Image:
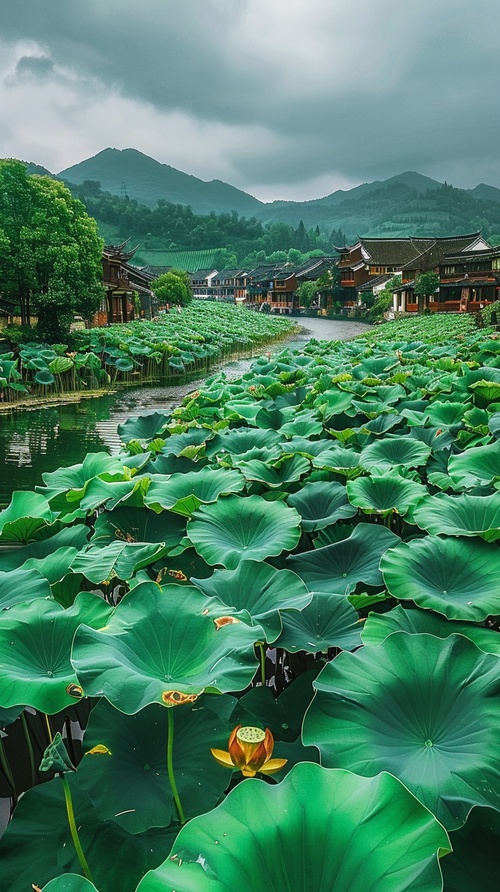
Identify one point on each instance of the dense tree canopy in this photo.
(50, 250)
(173, 288)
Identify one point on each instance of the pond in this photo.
(37, 440)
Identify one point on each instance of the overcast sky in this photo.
(282, 98)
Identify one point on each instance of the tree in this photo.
(306, 293)
(53, 267)
(425, 285)
(173, 288)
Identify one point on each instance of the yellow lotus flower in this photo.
(250, 750)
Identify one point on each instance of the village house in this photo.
(127, 288)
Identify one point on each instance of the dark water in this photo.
(37, 440)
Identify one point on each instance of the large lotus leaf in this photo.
(125, 364)
(392, 452)
(384, 494)
(303, 446)
(237, 442)
(356, 834)
(75, 478)
(27, 515)
(70, 882)
(422, 707)
(304, 424)
(112, 493)
(260, 590)
(120, 560)
(184, 493)
(489, 391)
(341, 566)
(321, 504)
(333, 402)
(462, 515)
(35, 644)
(448, 414)
(71, 539)
(456, 577)
(328, 621)
(474, 862)
(273, 418)
(278, 474)
(379, 625)
(22, 585)
(283, 716)
(44, 377)
(36, 846)
(60, 364)
(480, 464)
(235, 529)
(161, 641)
(138, 525)
(177, 443)
(130, 785)
(337, 458)
(145, 427)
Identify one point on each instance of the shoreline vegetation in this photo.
(171, 350)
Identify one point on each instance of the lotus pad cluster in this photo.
(307, 558)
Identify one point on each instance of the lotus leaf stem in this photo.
(73, 828)
(170, 765)
(262, 653)
(30, 748)
(5, 766)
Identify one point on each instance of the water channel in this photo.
(37, 440)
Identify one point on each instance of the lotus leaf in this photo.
(35, 644)
(321, 504)
(22, 585)
(75, 478)
(143, 428)
(60, 364)
(384, 494)
(27, 515)
(129, 784)
(424, 708)
(477, 465)
(463, 515)
(340, 567)
(238, 442)
(328, 621)
(44, 377)
(235, 529)
(184, 493)
(337, 458)
(70, 882)
(393, 452)
(260, 590)
(277, 474)
(455, 577)
(36, 845)
(138, 525)
(379, 626)
(160, 642)
(120, 560)
(281, 837)
(70, 540)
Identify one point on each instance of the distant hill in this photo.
(128, 172)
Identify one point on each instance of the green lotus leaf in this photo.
(138, 525)
(44, 377)
(303, 446)
(394, 452)
(159, 642)
(272, 418)
(177, 443)
(385, 494)
(480, 464)
(320, 504)
(474, 864)
(112, 493)
(125, 364)
(120, 560)
(129, 784)
(27, 515)
(303, 424)
(38, 553)
(145, 427)
(238, 442)
(282, 837)
(60, 364)
(36, 846)
(489, 391)
(184, 493)
(235, 529)
(259, 589)
(379, 625)
(328, 621)
(22, 585)
(338, 458)
(455, 577)
(70, 882)
(283, 716)
(448, 414)
(56, 756)
(75, 478)
(286, 470)
(333, 402)
(340, 567)
(35, 644)
(462, 515)
(424, 708)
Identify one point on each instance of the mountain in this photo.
(128, 172)
(485, 193)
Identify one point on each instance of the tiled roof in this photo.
(394, 251)
(373, 283)
(435, 253)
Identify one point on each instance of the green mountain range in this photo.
(406, 204)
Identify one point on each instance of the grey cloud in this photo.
(38, 67)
